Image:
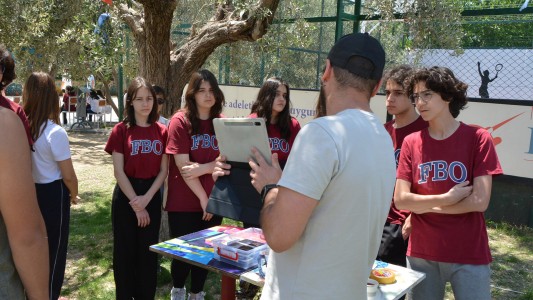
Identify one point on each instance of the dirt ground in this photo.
(88, 147)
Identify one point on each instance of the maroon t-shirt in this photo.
(66, 102)
(4, 102)
(435, 166)
(201, 148)
(278, 144)
(397, 216)
(142, 147)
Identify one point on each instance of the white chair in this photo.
(103, 110)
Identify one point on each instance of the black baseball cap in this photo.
(359, 45)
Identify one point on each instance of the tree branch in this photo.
(132, 17)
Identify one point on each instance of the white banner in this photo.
(239, 102)
(511, 126)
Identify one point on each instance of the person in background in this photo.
(70, 92)
(53, 173)
(23, 244)
(273, 105)
(445, 178)
(137, 146)
(339, 176)
(7, 75)
(93, 104)
(161, 99)
(193, 149)
(406, 120)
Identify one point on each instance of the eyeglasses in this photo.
(424, 96)
(160, 101)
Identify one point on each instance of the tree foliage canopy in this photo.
(167, 40)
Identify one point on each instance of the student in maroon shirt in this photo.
(273, 104)
(137, 146)
(193, 149)
(444, 178)
(406, 120)
(70, 92)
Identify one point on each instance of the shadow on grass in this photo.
(90, 246)
(88, 148)
(512, 251)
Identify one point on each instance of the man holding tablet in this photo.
(323, 216)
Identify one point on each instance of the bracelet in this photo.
(266, 189)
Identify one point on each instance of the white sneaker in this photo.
(178, 294)
(199, 296)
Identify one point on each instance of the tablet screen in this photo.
(237, 136)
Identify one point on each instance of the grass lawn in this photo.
(89, 272)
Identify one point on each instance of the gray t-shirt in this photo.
(346, 162)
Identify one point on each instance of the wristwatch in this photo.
(266, 189)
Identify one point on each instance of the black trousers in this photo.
(54, 202)
(393, 247)
(134, 265)
(64, 116)
(182, 223)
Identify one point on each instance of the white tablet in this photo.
(237, 136)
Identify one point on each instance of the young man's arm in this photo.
(285, 212)
(405, 199)
(478, 201)
(284, 216)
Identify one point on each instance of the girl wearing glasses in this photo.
(444, 178)
(193, 149)
(161, 99)
(137, 146)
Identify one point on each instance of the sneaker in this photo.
(199, 296)
(178, 294)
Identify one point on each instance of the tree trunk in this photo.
(107, 94)
(151, 31)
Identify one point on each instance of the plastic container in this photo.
(240, 249)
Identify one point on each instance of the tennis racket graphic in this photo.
(498, 68)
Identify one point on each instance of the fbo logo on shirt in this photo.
(279, 144)
(146, 146)
(442, 171)
(204, 141)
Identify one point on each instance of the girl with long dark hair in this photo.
(53, 173)
(193, 149)
(137, 146)
(273, 105)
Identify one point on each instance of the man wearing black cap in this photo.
(323, 216)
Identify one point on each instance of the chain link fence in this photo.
(296, 51)
(489, 73)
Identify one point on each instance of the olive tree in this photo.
(170, 65)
